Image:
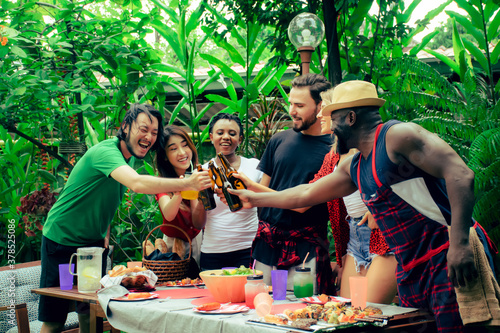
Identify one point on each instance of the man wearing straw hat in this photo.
(417, 188)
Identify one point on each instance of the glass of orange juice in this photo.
(189, 194)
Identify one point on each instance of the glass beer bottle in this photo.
(233, 201)
(207, 195)
(214, 175)
(230, 170)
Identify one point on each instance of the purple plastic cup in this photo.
(279, 279)
(65, 277)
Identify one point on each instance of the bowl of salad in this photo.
(227, 285)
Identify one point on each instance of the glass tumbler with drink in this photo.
(189, 194)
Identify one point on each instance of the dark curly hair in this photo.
(228, 116)
(163, 165)
(131, 116)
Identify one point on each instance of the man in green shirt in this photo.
(82, 215)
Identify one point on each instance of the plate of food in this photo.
(323, 299)
(190, 285)
(331, 314)
(187, 282)
(217, 308)
(132, 297)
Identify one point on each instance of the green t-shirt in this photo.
(88, 202)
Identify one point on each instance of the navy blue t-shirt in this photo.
(290, 159)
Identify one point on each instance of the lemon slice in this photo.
(90, 272)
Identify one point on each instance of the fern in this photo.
(486, 212)
(485, 162)
(486, 178)
(485, 149)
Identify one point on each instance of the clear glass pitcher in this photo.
(89, 268)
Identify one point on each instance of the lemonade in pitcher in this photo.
(89, 279)
(88, 266)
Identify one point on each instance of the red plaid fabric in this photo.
(428, 284)
(413, 237)
(420, 245)
(285, 241)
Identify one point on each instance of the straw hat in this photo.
(351, 94)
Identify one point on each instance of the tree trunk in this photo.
(332, 42)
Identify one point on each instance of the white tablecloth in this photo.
(177, 316)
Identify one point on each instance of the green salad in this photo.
(242, 270)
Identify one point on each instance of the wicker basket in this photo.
(167, 270)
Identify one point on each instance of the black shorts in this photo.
(228, 259)
(53, 309)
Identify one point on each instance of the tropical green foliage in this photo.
(465, 114)
(270, 118)
(178, 28)
(485, 162)
(246, 33)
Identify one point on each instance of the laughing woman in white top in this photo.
(228, 236)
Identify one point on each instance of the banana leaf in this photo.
(493, 28)
(453, 65)
(170, 11)
(194, 19)
(224, 67)
(475, 15)
(477, 54)
(478, 34)
(227, 102)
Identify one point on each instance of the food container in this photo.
(255, 285)
(303, 282)
(225, 288)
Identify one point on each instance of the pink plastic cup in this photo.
(359, 289)
(263, 303)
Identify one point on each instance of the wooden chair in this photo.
(19, 312)
(19, 307)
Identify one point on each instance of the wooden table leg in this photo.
(95, 321)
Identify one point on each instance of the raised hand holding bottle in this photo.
(207, 195)
(230, 171)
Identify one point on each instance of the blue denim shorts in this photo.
(359, 243)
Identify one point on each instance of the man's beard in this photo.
(342, 138)
(342, 147)
(306, 124)
(130, 148)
